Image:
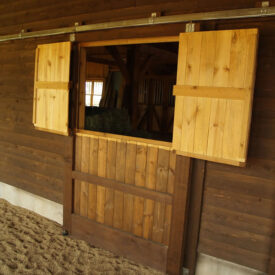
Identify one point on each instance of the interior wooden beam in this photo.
(101, 61)
(158, 52)
(134, 65)
(150, 106)
(157, 117)
(143, 118)
(164, 47)
(165, 105)
(145, 66)
(119, 61)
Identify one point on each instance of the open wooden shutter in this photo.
(214, 93)
(51, 88)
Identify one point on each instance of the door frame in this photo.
(183, 171)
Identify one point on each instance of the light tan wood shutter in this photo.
(51, 88)
(214, 92)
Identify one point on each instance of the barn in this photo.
(145, 128)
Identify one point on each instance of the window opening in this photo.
(129, 89)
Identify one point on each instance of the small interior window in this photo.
(93, 92)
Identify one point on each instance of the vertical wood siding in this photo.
(238, 214)
(134, 163)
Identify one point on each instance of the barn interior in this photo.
(129, 89)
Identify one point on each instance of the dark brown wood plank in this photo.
(179, 215)
(271, 267)
(238, 220)
(121, 243)
(194, 214)
(68, 197)
(77, 183)
(238, 238)
(34, 183)
(228, 181)
(238, 202)
(234, 254)
(68, 193)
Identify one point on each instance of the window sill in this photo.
(150, 142)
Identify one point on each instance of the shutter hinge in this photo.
(72, 37)
(192, 27)
(265, 4)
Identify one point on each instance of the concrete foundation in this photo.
(207, 265)
(39, 205)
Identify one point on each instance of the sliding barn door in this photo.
(123, 197)
(51, 88)
(214, 92)
(123, 189)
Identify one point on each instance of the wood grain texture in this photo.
(271, 267)
(85, 161)
(129, 185)
(120, 176)
(68, 193)
(51, 87)
(151, 169)
(119, 186)
(161, 185)
(129, 179)
(101, 191)
(111, 174)
(81, 94)
(194, 215)
(179, 215)
(122, 243)
(93, 169)
(214, 92)
(140, 176)
(77, 184)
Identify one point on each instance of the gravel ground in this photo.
(31, 244)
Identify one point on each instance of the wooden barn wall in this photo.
(238, 203)
(32, 160)
(238, 213)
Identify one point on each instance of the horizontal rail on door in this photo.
(127, 188)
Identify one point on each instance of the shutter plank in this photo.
(214, 94)
(51, 88)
